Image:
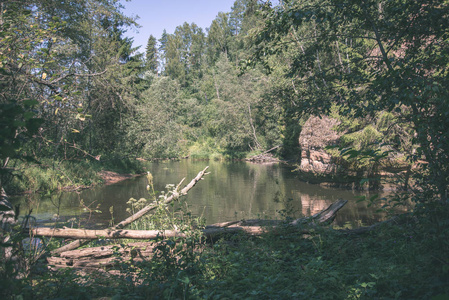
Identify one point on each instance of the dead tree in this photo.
(106, 257)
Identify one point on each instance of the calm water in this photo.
(232, 191)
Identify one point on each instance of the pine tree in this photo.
(151, 55)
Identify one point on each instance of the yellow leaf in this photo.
(44, 75)
(75, 131)
(56, 111)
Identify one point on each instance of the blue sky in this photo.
(155, 16)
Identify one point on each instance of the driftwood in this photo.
(264, 156)
(108, 257)
(78, 243)
(92, 234)
(253, 227)
(104, 257)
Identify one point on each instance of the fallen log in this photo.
(91, 234)
(104, 257)
(253, 227)
(108, 257)
(79, 242)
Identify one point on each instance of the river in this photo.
(232, 191)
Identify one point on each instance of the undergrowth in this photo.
(392, 262)
(51, 175)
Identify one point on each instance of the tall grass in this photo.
(51, 175)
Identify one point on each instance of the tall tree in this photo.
(151, 55)
(52, 65)
(219, 37)
(184, 53)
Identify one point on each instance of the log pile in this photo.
(264, 157)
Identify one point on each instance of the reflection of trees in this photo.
(311, 206)
(233, 190)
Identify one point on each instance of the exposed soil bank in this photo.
(110, 177)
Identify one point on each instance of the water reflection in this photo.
(232, 191)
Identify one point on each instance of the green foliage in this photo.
(349, 53)
(151, 56)
(399, 260)
(60, 94)
(153, 128)
(50, 175)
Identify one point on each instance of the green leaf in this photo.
(28, 115)
(7, 151)
(4, 207)
(30, 103)
(360, 199)
(364, 180)
(34, 124)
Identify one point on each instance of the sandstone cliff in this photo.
(316, 134)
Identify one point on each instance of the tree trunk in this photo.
(7, 220)
(253, 227)
(107, 257)
(104, 257)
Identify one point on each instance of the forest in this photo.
(76, 98)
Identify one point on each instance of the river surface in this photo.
(232, 191)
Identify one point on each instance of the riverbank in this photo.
(49, 175)
(109, 177)
(398, 260)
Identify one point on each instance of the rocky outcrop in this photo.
(316, 134)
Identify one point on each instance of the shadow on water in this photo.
(233, 191)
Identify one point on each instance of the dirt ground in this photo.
(110, 177)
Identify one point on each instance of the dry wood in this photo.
(139, 214)
(325, 216)
(90, 234)
(262, 156)
(257, 227)
(86, 234)
(175, 195)
(102, 257)
(253, 227)
(106, 257)
(7, 221)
